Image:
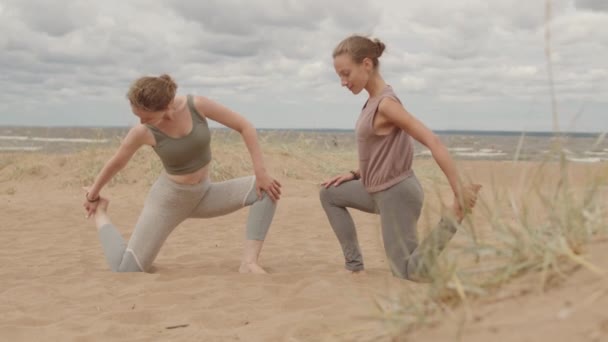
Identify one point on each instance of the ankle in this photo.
(101, 219)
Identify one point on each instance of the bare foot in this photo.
(103, 204)
(101, 213)
(251, 268)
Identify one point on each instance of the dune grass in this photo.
(540, 227)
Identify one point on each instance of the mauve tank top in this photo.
(384, 160)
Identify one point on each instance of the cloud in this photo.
(594, 5)
(271, 59)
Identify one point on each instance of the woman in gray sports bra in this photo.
(176, 128)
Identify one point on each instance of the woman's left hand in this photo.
(272, 187)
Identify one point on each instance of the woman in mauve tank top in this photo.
(385, 183)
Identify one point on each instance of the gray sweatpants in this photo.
(399, 207)
(169, 203)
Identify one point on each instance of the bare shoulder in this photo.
(200, 100)
(209, 108)
(180, 101)
(138, 130)
(217, 112)
(139, 135)
(389, 105)
(392, 112)
(201, 104)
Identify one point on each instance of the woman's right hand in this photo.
(337, 180)
(272, 187)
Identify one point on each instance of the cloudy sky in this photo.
(467, 64)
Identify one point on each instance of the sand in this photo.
(56, 286)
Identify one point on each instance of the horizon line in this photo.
(494, 131)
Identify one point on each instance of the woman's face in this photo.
(352, 75)
(145, 116)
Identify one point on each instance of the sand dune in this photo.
(55, 285)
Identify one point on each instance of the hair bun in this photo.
(166, 77)
(171, 85)
(380, 45)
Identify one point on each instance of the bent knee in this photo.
(326, 194)
(129, 264)
(253, 197)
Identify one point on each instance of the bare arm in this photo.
(134, 139)
(233, 120)
(393, 113)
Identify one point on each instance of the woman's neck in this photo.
(172, 109)
(375, 85)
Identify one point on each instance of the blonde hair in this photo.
(152, 93)
(359, 48)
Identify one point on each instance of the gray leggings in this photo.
(399, 207)
(169, 203)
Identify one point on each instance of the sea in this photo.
(472, 145)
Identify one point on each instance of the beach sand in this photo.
(56, 286)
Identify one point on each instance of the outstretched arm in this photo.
(130, 144)
(392, 112)
(233, 120)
